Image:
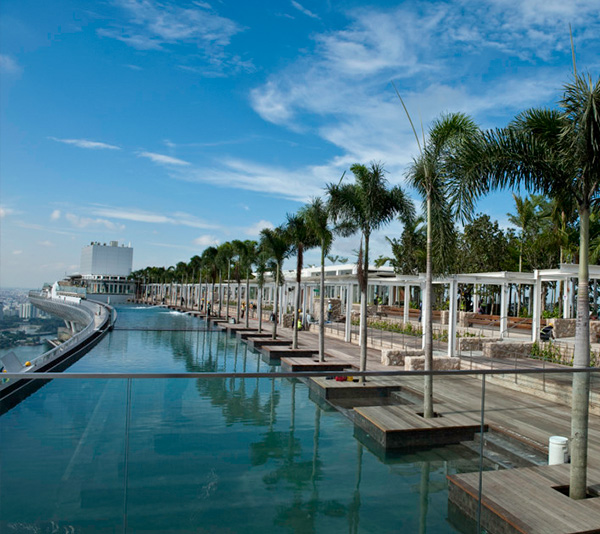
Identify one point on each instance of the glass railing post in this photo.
(126, 467)
(481, 440)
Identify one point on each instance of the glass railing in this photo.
(290, 452)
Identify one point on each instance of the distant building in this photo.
(106, 260)
(104, 270)
(26, 311)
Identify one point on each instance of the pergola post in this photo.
(422, 299)
(537, 307)
(453, 289)
(406, 315)
(304, 305)
(503, 310)
(565, 297)
(348, 328)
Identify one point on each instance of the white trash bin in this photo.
(558, 450)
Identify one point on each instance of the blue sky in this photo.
(177, 125)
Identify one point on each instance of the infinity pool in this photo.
(202, 455)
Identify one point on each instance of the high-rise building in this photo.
(104, 270)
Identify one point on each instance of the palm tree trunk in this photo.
(581, 360)
(239, 301)
(247, 322)
(275, 304)
(227, 295)
(297, 298)
(363, 309)
(322, 307)
(427, 321)
(260, 299)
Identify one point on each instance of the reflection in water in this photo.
(205, 455)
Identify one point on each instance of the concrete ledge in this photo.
(440, 363)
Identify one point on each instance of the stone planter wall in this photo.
(397, 357)
(501, 349)
(594, 331)
(473, 343)
(336, 309)
(464, 317)
(440, 363)
(563, 327)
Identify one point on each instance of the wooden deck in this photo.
(525, 500)
(277, 352)
(401, 426)
(259, 342)
(290, 364)
(252, 333)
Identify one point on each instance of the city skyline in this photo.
(178, 125)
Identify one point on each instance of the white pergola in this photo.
(341, 282)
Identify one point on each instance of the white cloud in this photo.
(87, 222)
(299, 184)
(255, 229)
(5, 212)
(17, 252)
(85, 143)
(46, 243)
(302, 9)
(206, 241)
(153, 25)
(162, 159)
(8, 65)
(137, 215)
(55, 215)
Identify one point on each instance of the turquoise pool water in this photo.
(202, 455)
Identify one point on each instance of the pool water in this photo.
(206, 455)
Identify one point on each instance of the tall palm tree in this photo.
(262, 258)
(556, 153)
(247, 259)
(274, 241)
(226, 254)
(209, 261)
(301, 238)
(428, 174)
(316, 215)
(366, 206)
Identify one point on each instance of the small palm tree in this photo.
(262, 259)
(301, 238)
(366, 206)
(209, 261)
(428, 174)
(316, 215)
(247, 260)
(226, 253)
(275, 243)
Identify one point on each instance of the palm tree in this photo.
(239, 251)
(428, 174)
(556, 153)
(274, 241)
(316, 215)
(262, 258)
(209, 261)
(366, 206)
(301, 239)
(247, 259)
(226, 253)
